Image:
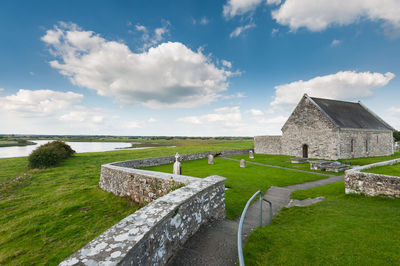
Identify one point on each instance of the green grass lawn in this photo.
(386, 170)
(342, 230)
(47, 215)
(369, 160)
(281, 160)
(242, 182)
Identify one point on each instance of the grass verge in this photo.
(342, 230)
(393, 170)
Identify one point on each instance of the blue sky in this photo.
(197, 68)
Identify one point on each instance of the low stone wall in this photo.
(372, 184)
(151, 235)
(139, 185)
(148, 162)
(268, 144)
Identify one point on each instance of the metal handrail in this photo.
(239, 236)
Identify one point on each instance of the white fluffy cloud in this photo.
(336, 43)
(318, 15)
(82, 116)
(255, 112)
(39, 102)
(169, 74)
(226, 63)
(201, 21)
(239, 7)
(239, 30)
(342, 85)
(227, 116)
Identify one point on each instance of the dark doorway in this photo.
(305, 151)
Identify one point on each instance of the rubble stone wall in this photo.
(152, 234)
(177, 206)
(372, 184)
(148, 162)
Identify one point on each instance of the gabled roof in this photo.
(350, 115)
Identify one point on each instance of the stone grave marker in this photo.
(210, 159)
(243, 163)
(177, 165)
(251, 154)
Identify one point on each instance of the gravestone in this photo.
(177, 165)
(242, 163)
(251, 154)
(210, 159)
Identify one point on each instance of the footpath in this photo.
(215, 243)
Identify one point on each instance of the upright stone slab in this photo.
(210, 159)
(177, 165)
(243, 163)
(251, 154)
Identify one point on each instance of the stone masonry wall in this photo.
(152, 234)
(380, 143)
(141, 163)
(139, 185)
(268, 144)
(309, 125)
(372, 184)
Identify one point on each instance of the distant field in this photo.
(47, 215)
(342, 230)
(11, 142)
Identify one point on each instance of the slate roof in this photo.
(351, 115)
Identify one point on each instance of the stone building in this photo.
(330, 129)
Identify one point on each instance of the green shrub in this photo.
(396, 135)
(49, 154)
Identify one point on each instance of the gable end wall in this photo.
(309, 125)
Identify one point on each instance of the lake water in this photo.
(17, 151)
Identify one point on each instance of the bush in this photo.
(396, 135)
(50, 154)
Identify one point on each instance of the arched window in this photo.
(352, 145)
(305, 151)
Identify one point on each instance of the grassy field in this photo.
(281, 160)
(49, 214)
(342, 230)
(386, 170)
(15, 142)
(369, 160)
(242, 182)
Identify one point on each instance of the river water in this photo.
(20, 151)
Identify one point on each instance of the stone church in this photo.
(330, 129)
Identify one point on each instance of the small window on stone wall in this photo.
(352, 145)
(366, 145)
(377, 140)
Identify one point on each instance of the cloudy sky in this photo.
(194, 68)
